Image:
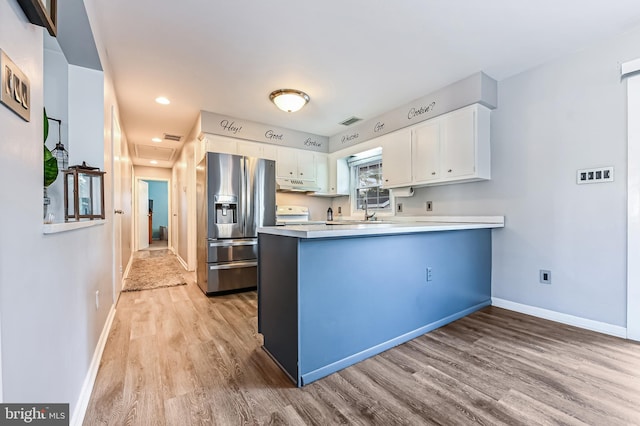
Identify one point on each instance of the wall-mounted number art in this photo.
(42, 14)
(15, 92)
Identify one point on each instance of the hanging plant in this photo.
(50, 162)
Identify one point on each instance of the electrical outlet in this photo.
(429, 273)
(399, 208)
(429, 206)
(97, 299)
(545, 276)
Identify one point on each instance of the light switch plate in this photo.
(597, 175)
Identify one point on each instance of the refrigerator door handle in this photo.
(231, 243)
(234, 265)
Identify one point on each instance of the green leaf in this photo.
(50, 167)
(46, 125)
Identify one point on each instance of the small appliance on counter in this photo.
(294, 215)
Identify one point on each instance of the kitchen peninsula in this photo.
(332, 295)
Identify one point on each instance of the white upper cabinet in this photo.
(332, 175)
(454, 147)
(459, 144)
(396, 155)
(295, 163)
(255, 149)
(223, 144)
(322, 174)
(306, 164)
(425, 150)
(287, 163)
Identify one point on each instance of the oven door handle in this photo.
(234, 265)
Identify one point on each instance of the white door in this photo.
(143, 215)
(116, 181)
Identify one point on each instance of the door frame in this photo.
(116, 202)
(135, 217)
(630, 73)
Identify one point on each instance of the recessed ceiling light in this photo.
(153, 162)
(156, 140)
(162, 100)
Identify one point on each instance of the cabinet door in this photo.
(221, 144)
(250, 149)
(306, 164)
(322, 173)
(396, 152)
(425, 151)
(286, 163)
(458, 144)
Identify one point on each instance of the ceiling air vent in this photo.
(174, 138)
(350, 121)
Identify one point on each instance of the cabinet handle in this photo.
(386, 180)
(301, 173)
(450, 170)
(433, 173)
(290, 173)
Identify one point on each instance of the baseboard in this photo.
(181, 260)
(87, 387)
(600, 327)
(127, 269)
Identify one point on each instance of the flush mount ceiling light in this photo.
(153, 162)
(162, 100)
(156, 140)
(289, 100)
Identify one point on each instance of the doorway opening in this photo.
(158, 214)
(153, 205)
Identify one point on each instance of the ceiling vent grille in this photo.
(174, 138)
(350, 121)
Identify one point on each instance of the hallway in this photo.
(176, 357)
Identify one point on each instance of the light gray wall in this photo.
(50, 325)
(566, 115)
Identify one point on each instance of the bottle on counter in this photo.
(329, 214)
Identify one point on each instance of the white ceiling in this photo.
(357, 57)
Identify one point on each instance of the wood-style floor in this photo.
(176, 357)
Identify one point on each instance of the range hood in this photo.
(296, 185)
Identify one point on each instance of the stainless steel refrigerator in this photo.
(235, 195)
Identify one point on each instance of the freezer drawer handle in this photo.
(233, 265)
(233, 243)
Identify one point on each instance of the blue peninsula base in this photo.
(327, 303)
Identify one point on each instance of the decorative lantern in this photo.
(61, 154)
(83, 193)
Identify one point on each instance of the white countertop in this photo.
(422, 224)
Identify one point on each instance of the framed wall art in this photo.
(43, 13)
(15, 90)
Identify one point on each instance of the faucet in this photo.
(367, 216)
